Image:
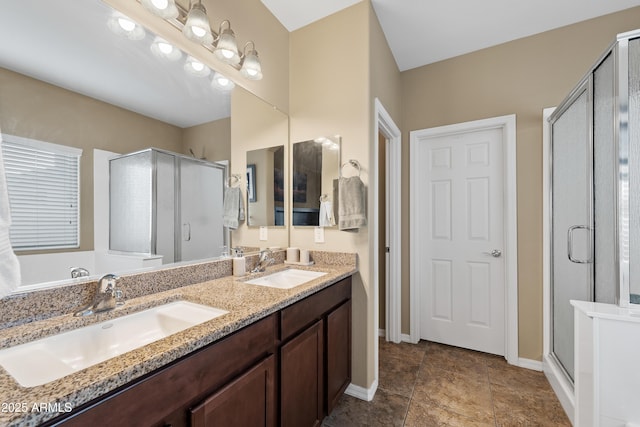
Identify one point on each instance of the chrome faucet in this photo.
(263, 261)
(106, 297)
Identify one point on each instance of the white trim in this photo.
(384, 124)
(508, 125)
(534, 365)
(43, 145)
(361, 392)
(408, 338)
(560, 385)
(546, 233)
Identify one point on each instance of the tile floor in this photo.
(429, 384)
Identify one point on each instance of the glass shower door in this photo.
(572, 254)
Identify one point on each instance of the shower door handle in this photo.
(186, 232)
(570, 231)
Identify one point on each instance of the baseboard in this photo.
(408, 338)
(534, 365)
(361, 392)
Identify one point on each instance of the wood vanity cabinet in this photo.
(287, 369)
(222, 371)
(315, 355)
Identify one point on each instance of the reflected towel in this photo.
(233, 209)
(9, 266)
(326, 214)
(352, 203)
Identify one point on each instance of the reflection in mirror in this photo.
(265, 186)
(316, 169)
(105, 93)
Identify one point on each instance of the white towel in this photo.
(326, 214)
(9, 266)
(233, 209)
(352, 203)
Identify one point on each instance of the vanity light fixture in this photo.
(221, 82)
(197, 27)
(165, 9)
(226, 47)
(196, 68)
(251, 68)
(124, 26)
(163, 49)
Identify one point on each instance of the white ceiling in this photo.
(421, 32)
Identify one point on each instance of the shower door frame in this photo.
(585, 85)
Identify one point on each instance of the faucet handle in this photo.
(78, 272)
(107, 283)
(119, 294)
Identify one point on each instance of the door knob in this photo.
(496, 253)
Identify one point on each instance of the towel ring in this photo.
(354, 163)
(324, 198)
(234, 179)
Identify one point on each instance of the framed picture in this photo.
(251, 183)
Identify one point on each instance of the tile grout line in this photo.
(413, 388)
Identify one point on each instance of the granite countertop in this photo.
(245, 303)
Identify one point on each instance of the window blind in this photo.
(44, 193)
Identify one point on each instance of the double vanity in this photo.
(272, 348)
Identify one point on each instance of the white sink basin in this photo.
(39, 362)
(286, 279)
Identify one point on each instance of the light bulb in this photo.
(198, 31)
(165, 9)
(126, 24)
(160, 4)
(221, 82)
(196, 68)
(126, 27)
(165, 48)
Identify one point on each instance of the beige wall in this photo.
(211, 141)
(329, 95)
(33, 109)
(255, 125)
(521, 77)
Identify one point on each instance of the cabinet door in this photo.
(338, 353)
(301, 379)
(247, 401)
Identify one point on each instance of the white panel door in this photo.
(462, 282)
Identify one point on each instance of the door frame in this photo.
(383, 123)
(508, 126)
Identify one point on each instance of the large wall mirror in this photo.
(265, 187)
(316, 169)
(70, 80)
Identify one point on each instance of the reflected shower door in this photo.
(572, 253)
(201, 197)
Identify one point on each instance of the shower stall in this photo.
(594, 219)
(167, 204)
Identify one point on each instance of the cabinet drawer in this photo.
(158, 396)
(303, 313)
